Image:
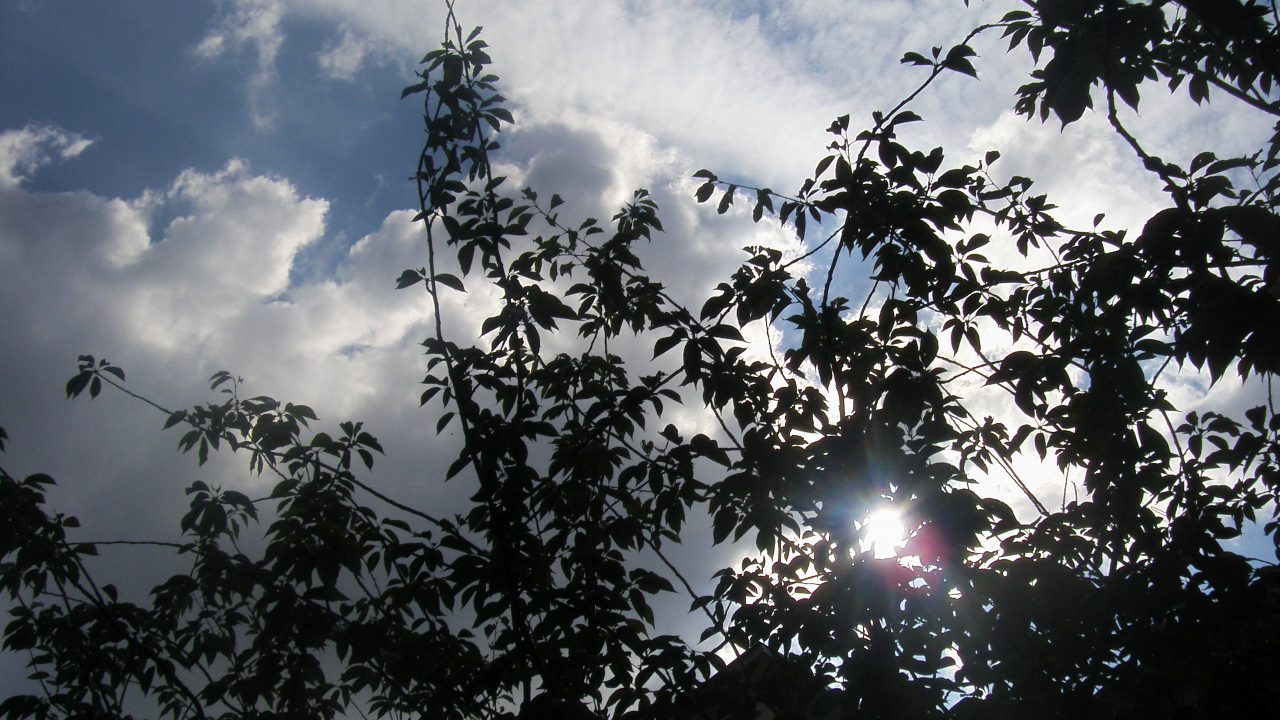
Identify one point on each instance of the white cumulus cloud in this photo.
(24, 151)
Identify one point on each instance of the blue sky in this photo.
(193, 186)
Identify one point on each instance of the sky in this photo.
(187, 187)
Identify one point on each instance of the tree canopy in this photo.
(538, 600)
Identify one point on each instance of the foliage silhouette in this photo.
(537, 601)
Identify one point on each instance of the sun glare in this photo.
(883, 533)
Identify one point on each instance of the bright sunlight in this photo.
(883, 533)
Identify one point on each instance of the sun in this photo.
(883, 533)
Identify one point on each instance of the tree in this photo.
(537, 601)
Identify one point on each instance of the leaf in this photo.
(1202, 160)
(704, 192)
(1198, 88)
(727, 332)
(764, 201)
(723, 524)
(238, 499)
(408, 278)
(957, 178)
(78, 383)
(300, 411)
(413, 89)
(503, 114)
(370, 442)
(457, 466)
(219, 378)
(1070, 97)
(1221, 166)
(664, 344)
(450, 281)
(958, 60)
(726, 200)
(906, 116)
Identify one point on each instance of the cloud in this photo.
(254, 24)
(746, 87)
(24, 151)
(341, 60)
(81, 273)
(247, 22)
